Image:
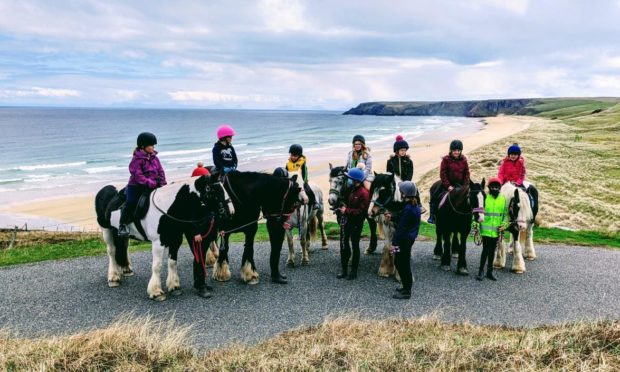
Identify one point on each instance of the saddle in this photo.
(119, 200)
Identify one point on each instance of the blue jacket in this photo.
(408, 225)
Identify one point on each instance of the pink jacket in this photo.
(512, 171)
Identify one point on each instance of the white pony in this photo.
(521, 230)
(306, 218)
(173, 211)
(385, 195)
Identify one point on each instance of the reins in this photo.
(169, 216)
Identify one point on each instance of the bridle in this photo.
(388, 200)
(204, 198)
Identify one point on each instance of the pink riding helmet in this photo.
(225, 131)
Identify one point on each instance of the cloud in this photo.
(39, 92)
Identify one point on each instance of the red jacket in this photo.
(357, 203)
(200, 171)
(454, 171)
(512, 171)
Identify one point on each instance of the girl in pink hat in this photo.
(224, 155)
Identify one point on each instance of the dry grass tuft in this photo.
(573, 162)
(340, 344)
(33, 238)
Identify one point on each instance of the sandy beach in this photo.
(78, 211)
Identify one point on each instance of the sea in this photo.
(54, 152)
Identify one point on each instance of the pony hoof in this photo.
(290, 264)
(530, 258)
(455, 255)
(498, 267)
(254, 281)
(159, 298)
(324, 246)
(436, 257)
(128, 272)
(368, 251)
(113, 284)
(204, 293)
(176, 292)
(305, 262)
(445, 267)
(518, 271)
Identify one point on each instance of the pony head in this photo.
(476, 199)
(519, 208)
(213, 195)
(383, 191)
(337, 184)
(299, 181)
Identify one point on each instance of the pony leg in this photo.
(529, 253)
(500, 255)
(462, 244)
(386, 268)
(154, 288)
(212, 254)
(114, 270)
(438, 251)
(322, 230)
(290, 262)
(221, 271)
(305, 248)
(173, 282)
(372, 246)
(446, 256)
(128, 270)
(518, 263)
(248, 268)
(455, 247)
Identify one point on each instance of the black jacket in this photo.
(402, 167)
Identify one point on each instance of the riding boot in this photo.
(432, 213)
(353, 274)
(480, 274)
(279, 279)
(127, 214)
(402, 295)
(490, 274)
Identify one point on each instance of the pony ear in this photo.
(482, 184)
(517, 195)
(331, 166)
(471, 184)
(375, 173)
(294, 178)
(201, 183)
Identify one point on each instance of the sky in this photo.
(295, 54)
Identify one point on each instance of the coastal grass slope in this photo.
(144, 344)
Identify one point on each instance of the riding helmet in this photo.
(146, 139)
(225, 131)
(493, 180)
(296, 150)
(408, 189)
(356, 174)
(456, 145)
(280, 172)
(514, 149)
(359, 137)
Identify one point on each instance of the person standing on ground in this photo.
(407, 228)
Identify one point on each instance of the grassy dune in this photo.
(340, 344)
(573, 158)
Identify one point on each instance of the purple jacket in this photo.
(146, 170)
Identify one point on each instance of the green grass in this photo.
(96, 247)
(568, 109)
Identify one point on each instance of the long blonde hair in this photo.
(364, 151)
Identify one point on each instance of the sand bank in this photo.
(79, 211)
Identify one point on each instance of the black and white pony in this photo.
(253, 193)
(522, 217)
(307, 219)
(337, 188)
(453, 221)
(385, 198)
(173, 211)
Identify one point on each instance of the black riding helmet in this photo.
(359, 137)
(146, 139)
(296, 150)
(456, 145)
(280, 172)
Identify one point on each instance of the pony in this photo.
(337, 188)
(454, 218)
(172, 211)
(306, 218)
(251, 193)
(522, 216)
(385, 198)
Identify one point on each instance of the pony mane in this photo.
(336, 171)
(525, 209)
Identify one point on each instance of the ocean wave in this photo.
(11, 180)
(49, 166)
(95, 170)
(182, 152)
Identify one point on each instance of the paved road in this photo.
(565, 283)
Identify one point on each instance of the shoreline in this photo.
(78, 211)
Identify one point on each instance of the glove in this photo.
(286, 225)
(228, 169)
(394, 249)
